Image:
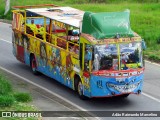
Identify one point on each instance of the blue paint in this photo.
(100, 88)
(27, 57)
(54, 72)
(98, 84)
(39, 21)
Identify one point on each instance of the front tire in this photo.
(79, 88)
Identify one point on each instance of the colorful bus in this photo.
(95, 54)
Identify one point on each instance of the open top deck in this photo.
(67, 15)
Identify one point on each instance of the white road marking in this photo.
(151, 97)
(25, 79)
(5, 41)
(152, 63)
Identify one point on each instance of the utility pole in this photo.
(7, 6)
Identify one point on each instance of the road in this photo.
(149, 100)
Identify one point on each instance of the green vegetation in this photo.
(22, 97)
(13, 101)
(6, 98)
(145, 16)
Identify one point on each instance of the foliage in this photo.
(154, 58)
(13, 101)
(6, 100)
(22, 97)
(5, 86)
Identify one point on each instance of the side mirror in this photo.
(144, 45)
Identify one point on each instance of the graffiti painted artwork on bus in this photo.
(79, 50)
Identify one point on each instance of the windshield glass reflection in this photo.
(131, 55)
(105, 56)
(108, 57)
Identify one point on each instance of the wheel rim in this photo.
(80, 88)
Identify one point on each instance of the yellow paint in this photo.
(63, 57)
(119, 60)
(59, 24)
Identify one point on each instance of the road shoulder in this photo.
(45, 101)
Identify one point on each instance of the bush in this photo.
(158, 40)
(154, 58)
(22, 97)
(6, 100)
(5, 86)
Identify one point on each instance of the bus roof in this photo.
(67, 15)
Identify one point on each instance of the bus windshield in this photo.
(131, 55)
(121, 56)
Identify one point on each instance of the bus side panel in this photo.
(59, 65)
(14, 44)
(26, 41)
(20, 53)
(86, 84)
(18, 46)
(52, 61)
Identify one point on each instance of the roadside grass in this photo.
(145, 16)
(11, 100)
(22, 97)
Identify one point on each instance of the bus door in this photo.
(88, 50)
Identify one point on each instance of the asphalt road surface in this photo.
(149, 100)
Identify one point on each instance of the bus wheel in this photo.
(33, 65)
(80, 90)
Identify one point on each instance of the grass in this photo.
(5, 86)
(22, 97)
(11, 100)
(145, 16)
(6, 98)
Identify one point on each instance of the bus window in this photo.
(74, 48)
(87, 57)
(105, 57)
(73, 34)
(58, 28)
(40, 32)
(62, 43)
(18, 21)
(131, 55)
(35, 26)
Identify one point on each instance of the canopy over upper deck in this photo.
(67, 15)
(107, 24)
